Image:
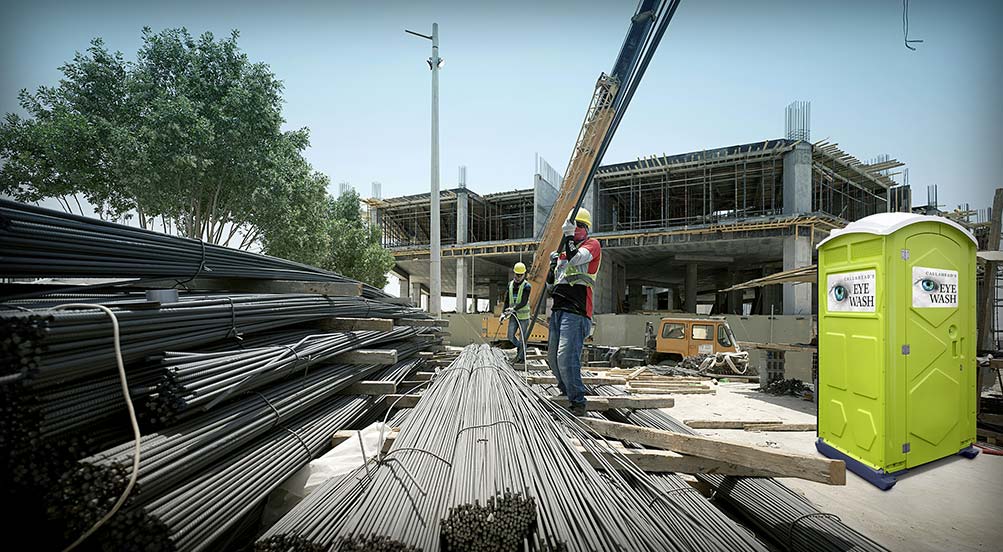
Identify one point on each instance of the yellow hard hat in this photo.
(520, 268)
(584, 216)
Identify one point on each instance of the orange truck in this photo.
(677, 338)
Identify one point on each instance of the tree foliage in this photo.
(188, 135)
(346, 243)
(186, 139)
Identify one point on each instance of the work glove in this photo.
(569, 228)
(508, 312)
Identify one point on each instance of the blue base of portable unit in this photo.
(879, 478)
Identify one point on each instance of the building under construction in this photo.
(675, 229)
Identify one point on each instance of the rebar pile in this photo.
(485, 463)
(52, 347)
(43, 242)
(778, 512)
(698, 524)
(198, 481)
(200, 379)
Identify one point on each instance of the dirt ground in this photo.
(952, 504)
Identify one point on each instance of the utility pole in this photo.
(435, 253)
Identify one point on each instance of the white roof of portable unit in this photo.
(883, 224)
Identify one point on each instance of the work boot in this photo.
(578, 409)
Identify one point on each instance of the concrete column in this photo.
(405, 286)
(461, 285)
(494, 291)
(651, 298)
(607, 294)
(474, 304)
(690, 287)
(735, 301)
(676, 299)
(635, 297)
(797, 180)
(462, 206)
(416, 293)
(797, 253)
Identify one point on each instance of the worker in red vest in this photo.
(573, 275)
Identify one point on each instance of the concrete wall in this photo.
(544, 196)
(464, 329)
(628, 330)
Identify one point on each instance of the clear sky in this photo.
(519, 75)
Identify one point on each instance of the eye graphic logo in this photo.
(928, 285)
(852, 291)
(934, 287)
(839, 292)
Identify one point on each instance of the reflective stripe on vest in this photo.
(522, 313)
(575, 276)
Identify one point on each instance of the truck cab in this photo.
(677, 338)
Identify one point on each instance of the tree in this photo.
(346, 243)
(189, 133)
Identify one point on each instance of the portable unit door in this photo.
(853, 347)
(937, 285)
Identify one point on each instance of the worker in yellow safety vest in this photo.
(516, 309)
(572, 275)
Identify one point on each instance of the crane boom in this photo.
(610, 97)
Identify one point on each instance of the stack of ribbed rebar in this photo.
(785, 516)
(484, 462)
(249, 383)
(198, 379)
(196, 480)
(44, 243)
(52, 347)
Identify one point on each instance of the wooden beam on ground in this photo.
(422, 376)
(401, 401)
(614, 403)
(664, 461)
(735, 377)
(669, 384)
(355, 324)
(367, 356)
(636, 373)
(370, 388)
(782, 427)
(666, 390)
(422, 322)
(343, 435)
(811, 468)
(248, 285)
(406, 301)
(790, 347)
(588, 380)
(728, 424)
(427, 355)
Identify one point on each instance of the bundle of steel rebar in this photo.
(772, 508)
(200, 480)
(698, 522)
(485, 463)
(200, 379)
(43, 242)
(51, 347)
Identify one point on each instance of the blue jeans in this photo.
(564, 352)
(515, 336)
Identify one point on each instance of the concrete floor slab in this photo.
(953, 504)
